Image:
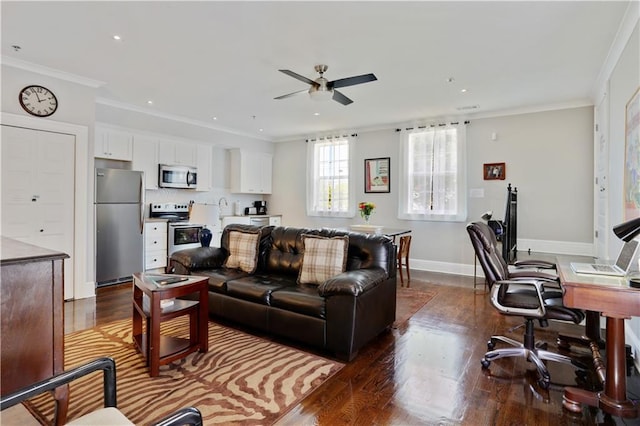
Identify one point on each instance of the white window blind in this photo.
(329, 182)
(434, 174)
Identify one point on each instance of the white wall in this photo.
(548, 156)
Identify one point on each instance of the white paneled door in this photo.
(38, 191)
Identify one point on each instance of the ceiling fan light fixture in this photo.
(320, 94)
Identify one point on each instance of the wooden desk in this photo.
(616, 301)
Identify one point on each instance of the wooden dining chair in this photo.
(403, 257)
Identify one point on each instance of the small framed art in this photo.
(494, 171)
(376, 174)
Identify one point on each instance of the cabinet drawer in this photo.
(155, 228)
(155, 259)
(155, 241)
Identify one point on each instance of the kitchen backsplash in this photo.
(211, 197)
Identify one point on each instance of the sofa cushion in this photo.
(255, 288)
(323, 258)
(302, 298)
(218, 278)
(243, 250)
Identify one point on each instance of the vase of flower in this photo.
(366, 209)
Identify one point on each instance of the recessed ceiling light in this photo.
(316, 113)
(463, 90)
(215, 118)
(261, 130)
(117, 37)
(150, 102)
(450, 80)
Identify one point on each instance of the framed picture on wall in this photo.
(376, 174)
(632, 157)
(494, 171)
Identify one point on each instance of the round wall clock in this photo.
(38, 101)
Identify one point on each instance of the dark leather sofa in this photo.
(339, 315)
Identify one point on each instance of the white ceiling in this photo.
(197, 60)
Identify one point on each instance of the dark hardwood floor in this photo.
(425, 372)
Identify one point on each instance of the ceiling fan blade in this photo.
(351, 81)
(291, 94)
(339, 97)
(299, 77)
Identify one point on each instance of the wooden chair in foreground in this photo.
(109, 415)
(403, 257)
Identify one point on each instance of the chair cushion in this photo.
(109, 416)
(243, 250)
(323, 258)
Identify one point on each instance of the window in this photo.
(329, 184)
(434, 174)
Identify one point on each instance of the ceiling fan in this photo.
(321, 88)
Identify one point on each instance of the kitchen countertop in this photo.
(154, 219)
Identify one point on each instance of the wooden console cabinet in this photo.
(32, 318)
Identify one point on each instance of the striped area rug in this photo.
(242, 379)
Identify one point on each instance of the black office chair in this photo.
(109, 415)
(522, 297)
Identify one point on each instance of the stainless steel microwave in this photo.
(173, 176)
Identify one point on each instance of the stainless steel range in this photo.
(182, 234)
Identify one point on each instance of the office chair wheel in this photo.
(491, 344)
(485, 363)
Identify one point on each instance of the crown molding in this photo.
(50, 72)
(462, 117)
(176, 118)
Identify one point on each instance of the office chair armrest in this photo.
(106, 364)
(498, 292)
(529, 274)
(534, 263)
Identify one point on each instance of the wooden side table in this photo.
(160, 350)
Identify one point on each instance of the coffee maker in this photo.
(261, 207)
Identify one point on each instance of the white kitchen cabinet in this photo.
(242, 220)
(204, 157)
(113, 144)
(250, 172)
(275, 220)
(155, 245)
(145, 159)
(174, 152)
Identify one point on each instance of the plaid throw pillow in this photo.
(243, 251)
(323, 258)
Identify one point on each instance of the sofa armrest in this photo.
(353, 282)
(186, 261)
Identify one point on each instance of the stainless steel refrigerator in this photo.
(119, 207)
